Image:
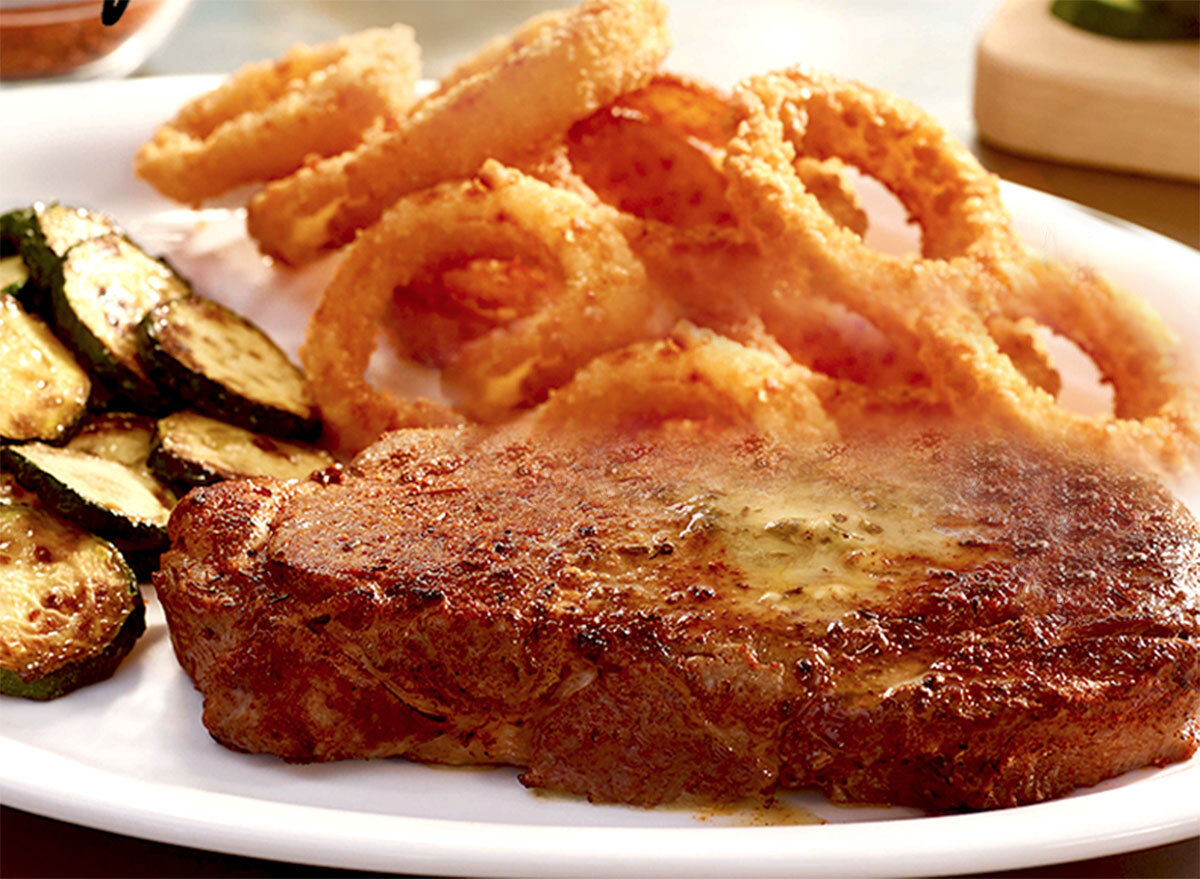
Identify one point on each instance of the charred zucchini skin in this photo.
(181, 474)
(165, 364)
(127, 532)
(126, 438)
(8, 238)
(87, 671)
(12, 231)
(242, 453)
(118, 371)
(97, 666)
(43, 233)
(43, 391)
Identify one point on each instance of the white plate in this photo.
(130, 755)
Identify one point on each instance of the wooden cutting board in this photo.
(1045, 88)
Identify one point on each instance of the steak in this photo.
(937, 621)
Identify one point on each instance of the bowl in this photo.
(44, 40)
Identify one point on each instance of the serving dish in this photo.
(131, 756)
(66, 41)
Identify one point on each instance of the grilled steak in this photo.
(938, 622)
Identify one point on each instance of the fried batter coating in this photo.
(571, 65)
(972, 268)
(693, 374)
(268, 118)
(499, 214)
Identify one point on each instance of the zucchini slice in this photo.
(118, 436)
(43, 391)
(13, 275)
(125, 438)
(191, 450)
(109, 499)
(226, 367)
(70, 609)
(43, 235)
(106, 287)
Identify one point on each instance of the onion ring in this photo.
(568, 68)
(693, 374)
(501, 213)
(498, 48)
(553, 165)
(826, 180)
(656, 153)
(445, 307)
(655, 156)
(855, 403)
(973, 268)
(266, 119)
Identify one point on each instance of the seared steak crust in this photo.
(938, 623)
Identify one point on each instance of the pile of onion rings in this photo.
(568, 233)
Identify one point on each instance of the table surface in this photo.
(921, 49)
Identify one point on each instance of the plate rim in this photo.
(336, 838)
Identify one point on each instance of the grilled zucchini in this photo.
(126, 506)
(13, 275)
(226, 367)
(125, 438)
(43, 234)
(191, 450)
(107, 285)
(118, 436)
(43, 391)
(70, 609)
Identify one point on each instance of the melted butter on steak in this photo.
(825, 548)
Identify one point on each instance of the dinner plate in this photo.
(130, 754)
